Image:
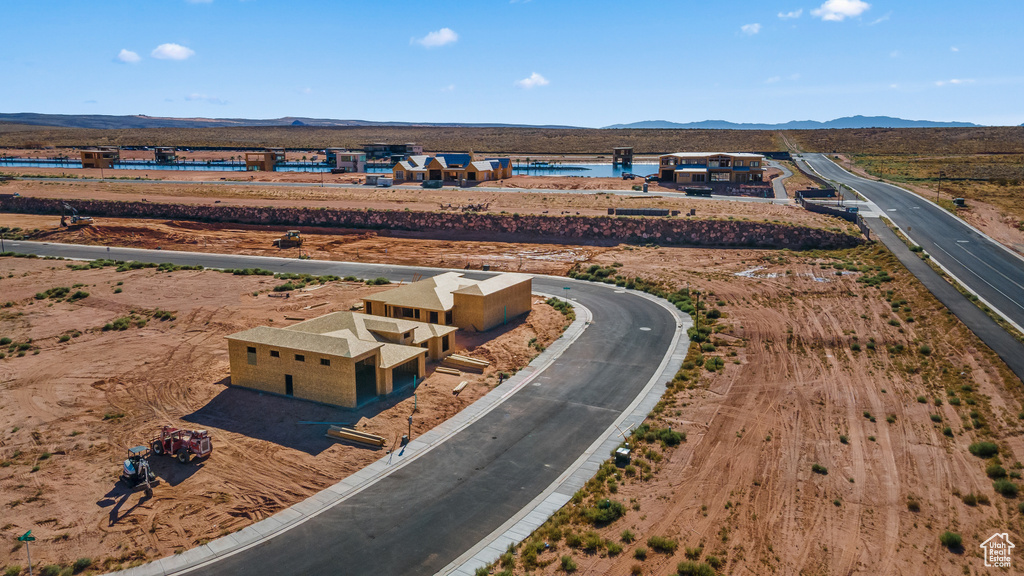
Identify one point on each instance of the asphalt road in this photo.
(983, 266)
(423, 516)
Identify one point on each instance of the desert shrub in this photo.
(714, 364)
(614, 548)
(662, 544)
(78, 295)
(843, 439)
(592, 541)
(568, 564)
(573, 540)
(605, 511)
(693, 553)
(707, 347)
(913, 505)
(936, 418)
(50, 570)
(984, 449)
(81, 564)
(627, 536)
(819, 469)
(640, 553)
(970, 499)
(951, 540)
(690, 568)
(5, 341)
(714, 561)
(1006, 488)
(381, 281)
(924, 349)
(995, 471)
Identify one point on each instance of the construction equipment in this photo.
(182, 444)
(136, 471)
(76, 220)
(290, 239)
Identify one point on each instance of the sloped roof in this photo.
(433, 293)
(341, 343)
(708, 154)
(503, 162)
(460, 159)
(483, 165)
(494, 284)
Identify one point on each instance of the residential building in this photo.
(711, 167)
(346, 160)
(452, 167)
(344, 358)
(452, 299)
(101, 157)
(265, 161)
(164, 154)
(622, 155)
(395, 152)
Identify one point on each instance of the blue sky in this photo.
(583, 63)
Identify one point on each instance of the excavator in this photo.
(76, 220)
(290, 239)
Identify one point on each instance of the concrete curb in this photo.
(322, 501)
(558, 493)
(937, 263)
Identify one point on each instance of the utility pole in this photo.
(941, 175)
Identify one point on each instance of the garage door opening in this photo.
(366, 380)
(404, 374)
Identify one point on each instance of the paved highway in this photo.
(986, 268)
(426, 514)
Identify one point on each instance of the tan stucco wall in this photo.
(485, 312)
(334, 384)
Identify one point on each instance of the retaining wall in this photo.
(662, 231)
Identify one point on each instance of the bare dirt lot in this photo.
(75, 397)
(414, 198)
(827, 417)
(826, 433)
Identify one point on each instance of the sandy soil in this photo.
(70, 410)
(741, 487)
(400, 198)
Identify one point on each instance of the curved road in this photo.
(986, 268)
(426, 514)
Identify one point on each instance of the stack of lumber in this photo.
(465, 363)
(339, 433)
(449, 371)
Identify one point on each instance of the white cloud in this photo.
(532, 81)
(196, 97)
(448, 88)
(954, 49)
(128, 56)
(199, 1)
(880, 20)
(839, 10)
(792, 14)
(172, 51)
(306, 90)
(954, 82)
(773, 80)
(437, 38)
(895, 54)
(750, 29)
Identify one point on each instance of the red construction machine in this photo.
(182, 444)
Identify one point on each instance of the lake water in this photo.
(581, 170)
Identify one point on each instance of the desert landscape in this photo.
(99, 367)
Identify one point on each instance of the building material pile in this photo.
(339, 433)
(465, 363)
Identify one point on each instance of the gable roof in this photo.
(433, 293)
(342, 343)
(460, 159)
(494, 284)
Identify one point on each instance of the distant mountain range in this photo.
(846, 122)
(143, 121)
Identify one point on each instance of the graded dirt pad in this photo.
(819, 368)
(70, 409)
(414, 198)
